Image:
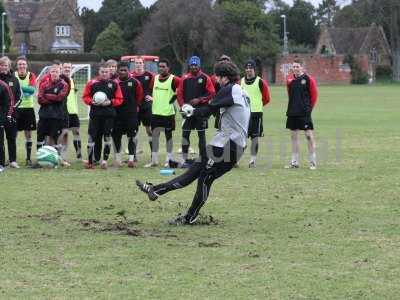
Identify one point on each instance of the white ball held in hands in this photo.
(99, 98)
(187, 110)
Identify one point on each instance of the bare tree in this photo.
(185, 26)
(394, 29)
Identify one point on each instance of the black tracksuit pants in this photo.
(10, 129)
(218, 162)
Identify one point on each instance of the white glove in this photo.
(187, 110)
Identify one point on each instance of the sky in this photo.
(95, 4)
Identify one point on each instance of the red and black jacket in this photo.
(110, 88)
(303, 94)
(51, 97)
(195, 86)
(5, 99)
(132, 93)
(15, 89)
(147, 81)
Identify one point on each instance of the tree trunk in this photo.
(396, 64)
(395, 40)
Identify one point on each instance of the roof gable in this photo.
(21, 14)
(30, 16)
(348, 40)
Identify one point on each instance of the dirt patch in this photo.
(119, 226)
(210, 245)
(48, 217)
(159, 234)
(206, 220)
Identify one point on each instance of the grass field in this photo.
(265, 233)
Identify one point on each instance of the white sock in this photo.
(118, 156)
(253, 158)
(63, 152)
(295, 158)
(154, 157)
(170, 156)
(313, 158)
(131, 157)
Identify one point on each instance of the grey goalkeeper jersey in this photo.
(234, 109)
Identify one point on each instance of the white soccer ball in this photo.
(47, 157)
(99, 97)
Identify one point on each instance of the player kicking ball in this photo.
(223, 151)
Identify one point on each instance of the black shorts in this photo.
(100, 126)
(144, 115)
(49, 127)
(192, 123)
(26, 119)
(65, 123)
(167, 122)
(73, 121)
(126, 125)
(256, 125)
(299, 123)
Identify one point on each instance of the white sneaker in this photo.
(104, 165)
(1, 169)
(313, 166)
(191, 150)
(117, 163)
(151, 165)
(14, 165)
(252, 164)
(65, 164)
(292, 165)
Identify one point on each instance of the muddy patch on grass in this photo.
(124, 227)
(207, 220)
(49, 217)
(210, 244)
(120, 227)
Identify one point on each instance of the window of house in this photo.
(63, 30)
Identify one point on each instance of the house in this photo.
(43, 26)
(367, 43)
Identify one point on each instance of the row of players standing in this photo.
(140, 97)
(157, 111)
(57, 114)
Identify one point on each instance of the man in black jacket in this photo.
(10, 126)
(126, 119)
(4, 109)
(52, 94)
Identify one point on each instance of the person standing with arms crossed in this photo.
(146, 78)
(5, 99)
(163, 111)
(10, 127)
(303, 93)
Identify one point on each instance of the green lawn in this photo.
(266, 233)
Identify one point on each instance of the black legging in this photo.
(117, 140)
(186, 142)
(2, 150)
(205, 171)
(10, 129)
